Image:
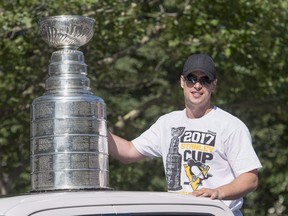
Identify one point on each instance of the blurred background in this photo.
(134, 62)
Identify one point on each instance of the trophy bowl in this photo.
(66, 31)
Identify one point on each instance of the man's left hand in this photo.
(205, 192)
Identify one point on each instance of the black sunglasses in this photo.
(192, 79)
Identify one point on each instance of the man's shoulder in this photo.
(227, 117)
(171, 117)
(173, 114)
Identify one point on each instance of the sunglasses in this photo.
(192, 79)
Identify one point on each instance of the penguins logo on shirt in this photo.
(196, 173)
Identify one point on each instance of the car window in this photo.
(134, 210)
(151, 214)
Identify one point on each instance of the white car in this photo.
(92, 203)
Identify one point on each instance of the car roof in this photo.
(32, 203)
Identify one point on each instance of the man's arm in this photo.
(122, 149)
(239, 187)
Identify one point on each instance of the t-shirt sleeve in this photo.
(148, 143)
(240, 152)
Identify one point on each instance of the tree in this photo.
(134, 61)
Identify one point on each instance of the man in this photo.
(206, 151)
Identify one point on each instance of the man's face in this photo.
(197, 89)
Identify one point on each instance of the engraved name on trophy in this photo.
(69, 147)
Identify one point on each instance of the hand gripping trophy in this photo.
(69, 147)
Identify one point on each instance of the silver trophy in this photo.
(69, 147)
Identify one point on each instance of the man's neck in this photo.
(198, 112)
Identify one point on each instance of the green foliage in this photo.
(134, 61)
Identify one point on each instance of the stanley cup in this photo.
(69, 147)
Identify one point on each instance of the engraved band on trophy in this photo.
(69, 147)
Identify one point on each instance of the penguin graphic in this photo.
(196, 172)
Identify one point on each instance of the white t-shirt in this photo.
(206, 152)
